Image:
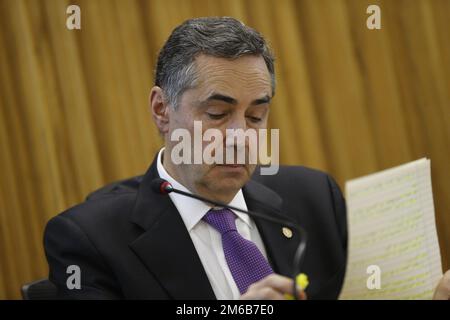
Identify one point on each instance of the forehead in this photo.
(246, 72)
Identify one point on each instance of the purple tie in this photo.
(246, 262)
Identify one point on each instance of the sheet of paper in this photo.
(393, 242)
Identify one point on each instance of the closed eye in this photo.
(216, 116)
(254, 119)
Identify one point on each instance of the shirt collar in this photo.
(192, 210)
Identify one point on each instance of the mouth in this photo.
(231, 167)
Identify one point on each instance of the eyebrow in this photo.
(233, 101)
(263, 100)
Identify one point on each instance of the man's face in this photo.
(229, 94)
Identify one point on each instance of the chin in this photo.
(229, 183)
(227, 180)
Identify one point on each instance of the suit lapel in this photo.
(280, 249)
(165, 247)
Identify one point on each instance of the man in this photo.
(134, 243)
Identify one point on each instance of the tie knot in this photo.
(222, 220)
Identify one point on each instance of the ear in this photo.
(159, 109)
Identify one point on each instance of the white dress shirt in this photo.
(207, 240)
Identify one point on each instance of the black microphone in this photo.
(164, 187)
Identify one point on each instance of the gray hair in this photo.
(222, 37)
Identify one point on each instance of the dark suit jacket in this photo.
(131, 243)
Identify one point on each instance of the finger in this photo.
(300, 294)
(442, 291)
(284, 285)
(265, 293)
(278, 282)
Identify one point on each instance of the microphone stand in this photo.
(164, 187)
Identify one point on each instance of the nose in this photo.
(237, 121)
(235, 138)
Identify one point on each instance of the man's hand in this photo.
(442, 291)
(272, 287)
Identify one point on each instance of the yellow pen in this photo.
(302, 283)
